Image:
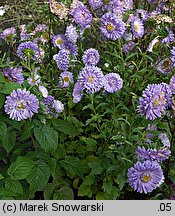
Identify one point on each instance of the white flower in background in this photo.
(44, 91)
(3, 9)
(58, 105)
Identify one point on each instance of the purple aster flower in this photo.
(91, 57)
(13, 74)
(28, 50)
(128, 47)
(112, 82)
(72, 48)
(137, 27)
(154, 100)
(164, 139)
(149, 135)
(40, 28)
(48, 100)
(143, 14)
(59, 41)
(65, 79)
(91, 78)
(95, 4)
(21, 104)
(23, 33)
(77, 92)
(8, 33)
(172, 84)
(173, 56)
(62, 59)
(82, 16)
(164, 66)
(58, 106)
(111, 26)
(34, 81)
(116, 7)
(152, 154)
(170, 38)
(71, 34)
(145, 177)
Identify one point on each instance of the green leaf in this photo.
(96, 166)
(20, 168)
(9, 87)
(4, 192)
(91, 144)
(26, 131)
(65, 127)
(14, 186)
(38, 176)
(47, 137)
(3, 129)
(9, 140)
(64, 193)
(1, 176)
(2, 79)
(2, 99)
(73, 166)
(85, 187)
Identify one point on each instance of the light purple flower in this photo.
(154, 101)
(112, 82)
(172, 84)
(8, 33)
(62, 59)
(65, 79)
(170, 38)
(82, 16)
(128, 47)
(77, 92)
(28, 50)
(145, 177)
(34, 81)
(72, 48)
(58, 106)
(137, 27)
(112, 26)
(13, 74)
(60, 41)
(91, 57)
(71, 33)
(173, 56)
(91, 78)
(95, 4)
(21, 104)
(43, 91)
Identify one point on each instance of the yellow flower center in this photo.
(59, 41)
(21, 105)
(110, 27)
(146, 178)
(66, 79)
(91, 79)
(136, 27)
(156, 102)
(59, 7)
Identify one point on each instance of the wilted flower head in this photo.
(152, 44)
(128, 47)
(58, 106)
(71, 33)
(13, 74)
(137, 27)
(91, 78)
(58, 8)
(145, 177)
(91, 57)
(112, 82)
(8, 33)
(154, 100)
(40, 28)
(82, 16)
(28, 50)
(21, 104)
(166, 142)
(112, 26)
(77, 92)
(62, 59)
(164, 66)
(43, 91)
(59, 41)
(65, 79)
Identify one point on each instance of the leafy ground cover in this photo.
(87, 101)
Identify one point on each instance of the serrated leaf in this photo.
(47, 137)
(73, 166)
(2, 100)
(3, 129)
(14, 186)
(7, 88)
(65, 127)
(9, 140)
(20, 168)
(4, 192)
(64, 193)
(26, 131)
(38, 176)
